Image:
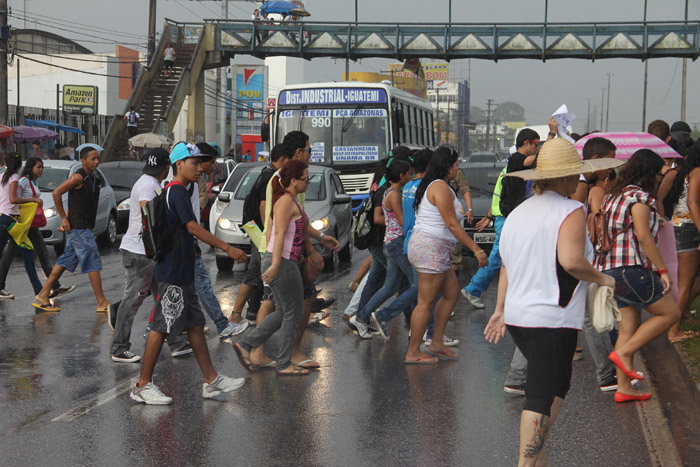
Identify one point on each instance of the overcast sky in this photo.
(539, 87)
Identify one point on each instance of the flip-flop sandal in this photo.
(444, 354)
(320, 316)
(686, 335)
(103, 310)
(303, 364)
(422, 361)
(271, 364)
(295, 371)
(243, 357)
(49, 307)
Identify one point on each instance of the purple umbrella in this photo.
(27, 134)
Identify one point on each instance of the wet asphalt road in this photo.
(64, 402)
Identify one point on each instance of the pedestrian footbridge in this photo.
(212, 43)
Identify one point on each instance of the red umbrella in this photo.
(5, 131)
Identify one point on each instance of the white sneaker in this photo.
(221, 384)
(475, 301)
(234, 329)
(446, 340)
(362, 328)
(150, 394)
(6, 295)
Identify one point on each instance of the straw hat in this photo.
(559, 158)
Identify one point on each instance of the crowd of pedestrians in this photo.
(542, 202)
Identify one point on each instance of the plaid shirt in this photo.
(618, 213)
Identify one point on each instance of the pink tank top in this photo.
(294, 237)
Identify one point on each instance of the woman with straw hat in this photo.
(541, 291)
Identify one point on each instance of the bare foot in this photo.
(420, 357)
(443, 350)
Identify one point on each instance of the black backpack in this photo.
(251, 205)
(157, 238)
(363, 223)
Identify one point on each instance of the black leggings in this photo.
(549, 352)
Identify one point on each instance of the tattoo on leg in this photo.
(534, 447)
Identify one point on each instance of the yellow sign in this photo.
(80, 99)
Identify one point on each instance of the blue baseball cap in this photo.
(184, 150)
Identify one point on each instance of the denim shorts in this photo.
(687, 237)
(636, 286)
(80, 248)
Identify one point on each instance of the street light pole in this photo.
(449, 18)
(685, 71)
(607, 111)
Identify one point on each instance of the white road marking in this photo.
(96, 401)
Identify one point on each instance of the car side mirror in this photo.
(225, 197)
(216, 189)
(341, 199)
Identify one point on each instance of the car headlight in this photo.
(50, 212)
(226, 224)
(320, 224)
(124, 205)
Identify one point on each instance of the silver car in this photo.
(57, 172)
(327, 205)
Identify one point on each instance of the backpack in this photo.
(363, 223)
(132, 117)
(157, 238)
(251, 205)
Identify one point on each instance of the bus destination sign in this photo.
(330, 96)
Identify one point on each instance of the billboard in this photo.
(250, 80)
(437, 74)
(80, 99)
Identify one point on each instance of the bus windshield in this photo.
(347, 135)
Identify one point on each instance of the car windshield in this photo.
(482, 157)
(482, 180)
(52, 178)
(247, 184)
(235, 178)
(121, 177)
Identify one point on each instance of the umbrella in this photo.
(5, 131)
(27, 134)
(149, 140)
(299, 12)
(281, 7)
(628, 143)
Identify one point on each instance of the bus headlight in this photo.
(320, 224)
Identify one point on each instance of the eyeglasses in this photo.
(305, 149)
(305, 179)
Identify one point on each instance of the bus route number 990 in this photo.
(320, 122)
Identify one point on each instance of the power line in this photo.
(183, 6)
(64, 57)
(100, 29)
(84, 34)
(24, 57)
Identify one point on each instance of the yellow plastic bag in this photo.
(19, 229)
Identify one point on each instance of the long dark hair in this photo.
(441, 163)
(13, 162)
(641, 170)
(29, 167)
(281, 181)
(396, 169)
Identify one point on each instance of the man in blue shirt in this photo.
(177, 308)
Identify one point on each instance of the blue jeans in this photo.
(483, 277)
(80, 249)
(375, 276)
(205, 292)
(397, 266)
(27, 255)
(406, 300)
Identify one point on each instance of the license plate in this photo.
(481, 237)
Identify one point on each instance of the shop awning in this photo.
(52, 124)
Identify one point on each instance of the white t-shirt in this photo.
(145, 189)
(25, 188)
(528, 248)
(6, 207)
(129, 118)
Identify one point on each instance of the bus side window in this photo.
(432, 130)
(421, 127)
(404, 127)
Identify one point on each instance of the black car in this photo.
(122, 175)
(482, 179)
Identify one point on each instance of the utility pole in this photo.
(607, 109)
(151, 29)
(588, 120)
(602, 107)
(646, 79)
(221, 92)
(685, 71)
(437, 99)
(489, 103)
(4, 32)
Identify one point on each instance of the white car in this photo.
(57, 172)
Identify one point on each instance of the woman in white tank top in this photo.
(542, 287)
(437, 230)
